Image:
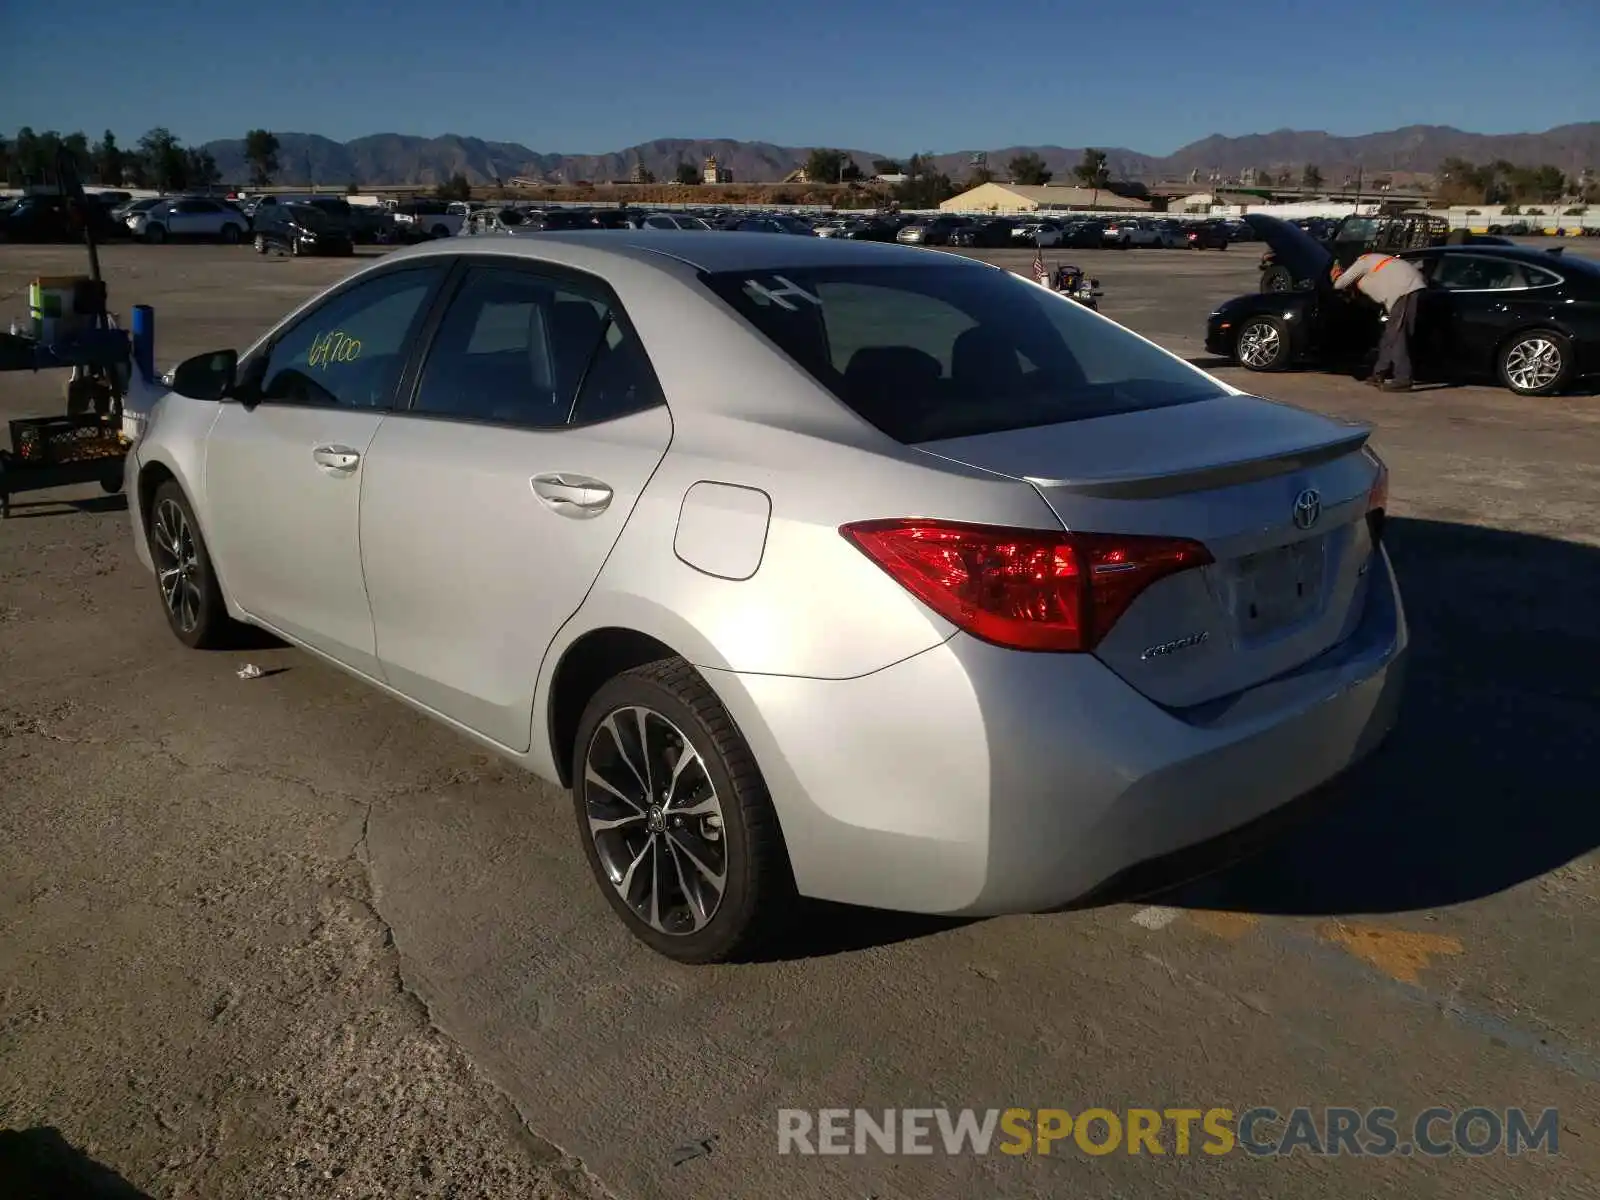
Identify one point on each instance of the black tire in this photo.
(1262, 344)
(1525, 361)
(261, 244)
(1277, 278)
(757, 897)
(210, 626)
(230, 235)
(440, 231)
(155, 234)
(111, 484)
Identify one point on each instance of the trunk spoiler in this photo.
(1211, 475)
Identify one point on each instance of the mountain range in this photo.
(393, 158)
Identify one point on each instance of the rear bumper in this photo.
(971, 780)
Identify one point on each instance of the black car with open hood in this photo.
(1349, 238)
(1529, 318)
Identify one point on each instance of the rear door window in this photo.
(519, 348)
(932, 352)
(1475, 273)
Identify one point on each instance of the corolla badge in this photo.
(1307, 508)
(1172, 647)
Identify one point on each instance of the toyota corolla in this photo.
(812, 567)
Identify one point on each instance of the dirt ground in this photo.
(282, 937)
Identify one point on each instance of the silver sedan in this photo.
(812, 567)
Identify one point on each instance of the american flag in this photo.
(1041, 274)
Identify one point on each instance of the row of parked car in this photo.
(1088, 233)
(330, 224)
(944, 229)
(325, 222)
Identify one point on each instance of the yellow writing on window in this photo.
(333, 347)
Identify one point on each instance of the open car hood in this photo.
(1296, 249)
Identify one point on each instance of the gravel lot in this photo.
(284, 938)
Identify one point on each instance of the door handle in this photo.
(336, 458)
(575, 496)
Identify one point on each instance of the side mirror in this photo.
(206, 376)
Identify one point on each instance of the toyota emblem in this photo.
(1307, 508)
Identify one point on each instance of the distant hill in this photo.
(393, 158)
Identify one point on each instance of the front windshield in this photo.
(933, 352)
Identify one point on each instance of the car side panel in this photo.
(174, 443)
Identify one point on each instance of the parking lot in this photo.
(283, 936)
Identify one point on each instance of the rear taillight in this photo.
(1027, 589)
(1377, 498)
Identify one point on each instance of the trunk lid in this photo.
(1235, 473)
(1296, 249)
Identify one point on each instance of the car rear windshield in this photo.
(932, 352)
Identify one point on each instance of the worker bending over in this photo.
(1393, 283)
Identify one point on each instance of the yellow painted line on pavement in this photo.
(1398, 953)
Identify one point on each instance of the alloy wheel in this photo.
(177, 564)
(656, 820)
(1533, 363)
(1259, 344)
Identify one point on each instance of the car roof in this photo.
(704, 250)
(1528, 254)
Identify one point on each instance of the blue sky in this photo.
(885, 75)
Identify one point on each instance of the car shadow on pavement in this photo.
(1488, 780)
(823, 928)
(22, 510)
(39, 1164)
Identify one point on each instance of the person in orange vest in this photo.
(1393, 283)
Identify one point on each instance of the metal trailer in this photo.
(86, 444)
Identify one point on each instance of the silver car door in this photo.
(488, 510)
(179, 220)
(285, 464)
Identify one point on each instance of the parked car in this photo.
(1170, 235)
(674, 221)
(122, 212)
(432, 218)
(1529, 317)
(562, 495)
(301, 229)
(1352, 236)
(192, 218)
(994, 234)
(370, 224)
(1124, 233)
(1208, 235)
(1044, 234)
(1083, 235)
(871, 229)
(931, 231)
(775, 224)
(47, 218)
(553, 219)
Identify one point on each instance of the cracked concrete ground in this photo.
(207, 996)
(283, 937)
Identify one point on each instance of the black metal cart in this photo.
(86, 444)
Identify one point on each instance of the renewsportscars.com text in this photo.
(1260, 1131)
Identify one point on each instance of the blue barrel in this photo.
(144, 341)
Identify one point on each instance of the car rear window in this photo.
(932, 352)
